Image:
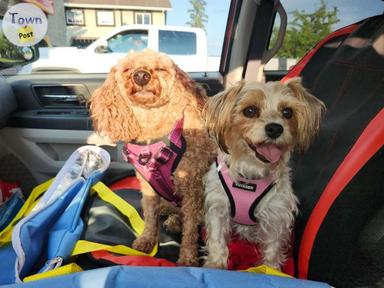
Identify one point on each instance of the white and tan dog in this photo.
(248, 191)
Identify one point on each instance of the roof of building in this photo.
(122, 4)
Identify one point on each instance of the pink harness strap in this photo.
(244, 194)
(157, 161)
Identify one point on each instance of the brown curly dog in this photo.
(141, 100)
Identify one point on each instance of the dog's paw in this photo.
(215, 264)
(173, 224)
(188, 258)
(144, 244)
(273, 265)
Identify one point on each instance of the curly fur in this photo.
(126, 111)
(237, 136)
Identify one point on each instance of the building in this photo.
(87, 20)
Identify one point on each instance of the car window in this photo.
(177, 43)
(308, 23)
(127, 41)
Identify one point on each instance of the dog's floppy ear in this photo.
(184, 79)
(111, 114)
(218, 113)
(196, 91)
(310, 115)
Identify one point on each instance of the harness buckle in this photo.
(164, 155)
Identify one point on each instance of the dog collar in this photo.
(157, 161)
(243, 194)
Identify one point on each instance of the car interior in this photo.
(44, 117)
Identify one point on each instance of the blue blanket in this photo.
(168, 277)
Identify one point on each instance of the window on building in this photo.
(143, 18)
(75, 17)
(124, 42)
(105, 18)
(177, 43)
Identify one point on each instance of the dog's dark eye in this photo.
(287, 113)
(160, 70)
(251, 112)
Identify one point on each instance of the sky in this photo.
(350, 11)
(217, 11)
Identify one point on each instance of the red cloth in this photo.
(244, 255)
(6, 190)
(131, 260)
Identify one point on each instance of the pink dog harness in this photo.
(244, 194)
(157, 161)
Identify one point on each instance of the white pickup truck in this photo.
(187, 46)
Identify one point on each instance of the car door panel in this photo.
(8, 102)
(52, 120)
(44, 151)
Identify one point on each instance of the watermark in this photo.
(25, 24)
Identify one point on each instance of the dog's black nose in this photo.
(141, 77)
(273, 130)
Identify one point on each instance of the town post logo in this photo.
(25, 24)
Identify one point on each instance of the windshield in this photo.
(86, 36)
(89, 36)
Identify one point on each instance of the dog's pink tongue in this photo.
(270, 152)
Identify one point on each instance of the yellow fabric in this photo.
(63, 270)
(83, 246)
(125, 208)
(6, 233)
(264, 269)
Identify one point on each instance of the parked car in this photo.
(187, 46)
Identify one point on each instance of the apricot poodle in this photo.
(155, 107)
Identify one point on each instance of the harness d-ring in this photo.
(144, 158)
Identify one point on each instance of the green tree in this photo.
(197, 16)
(305, 30)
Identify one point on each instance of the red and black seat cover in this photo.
(340, 180)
